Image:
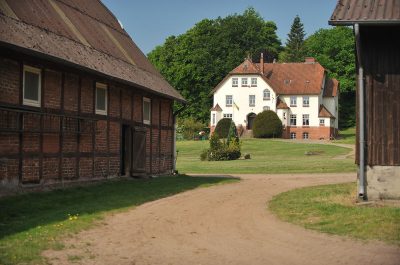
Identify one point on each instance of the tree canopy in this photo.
(294, 50)
(196, 61)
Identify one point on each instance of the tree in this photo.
(334, 50)
(267, 124)
(294, 50)
(196, 61)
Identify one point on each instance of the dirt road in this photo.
(225, 224)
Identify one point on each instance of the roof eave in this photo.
(55, 59)
(363, 22)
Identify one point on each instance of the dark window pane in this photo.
(146, 111)
(101, 99)
(31, 86)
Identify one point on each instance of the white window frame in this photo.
(306, 119)
(30, 102)
(145, 121)
(266, 108)
(293, 135)
(306, 135)
(245, 82)
(306, 101)
(228, 115)
(228, 98)
(103, 87)
(293, 117)
(293, 101)
(252, 100)
(254, 81)
(235, 82)
(213, 119)
(321, 122)
(266, 94)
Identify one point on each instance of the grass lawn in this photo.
(331, 209)
(34, 222)
(267, 156)
(347, 136)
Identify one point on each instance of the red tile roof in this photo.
(324, 112)
(81, 34)
(247, 67)
(216, 108)
(331, 88)
(349, 12)
(281, 105)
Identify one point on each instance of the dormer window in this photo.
(235, 82)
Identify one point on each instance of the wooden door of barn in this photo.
(126, 150)
(138, 151)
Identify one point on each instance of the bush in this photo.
(267, 124)
(189, 128)
(221, 150)
(222, 128)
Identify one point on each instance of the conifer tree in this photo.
(294, 50)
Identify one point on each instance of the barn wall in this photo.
(36, 149)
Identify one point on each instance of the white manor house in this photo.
(301, 94)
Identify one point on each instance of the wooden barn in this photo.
(377, 30)
(78, 100)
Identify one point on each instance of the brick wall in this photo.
(315, 133)
(70, 155)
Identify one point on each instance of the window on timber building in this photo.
(146, 110)
(101, 99)
(32, 86)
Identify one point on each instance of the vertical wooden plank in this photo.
(20, 124)
(78, 154)
(61, 130)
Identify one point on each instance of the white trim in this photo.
(104, 87)
(148, 100)
(30, 102)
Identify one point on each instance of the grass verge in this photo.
(267, 156)
(347, 136)
(34, 222)
(332, 209)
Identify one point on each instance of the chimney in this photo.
(262, 63)
(310, 60)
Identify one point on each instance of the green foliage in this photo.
(32, 223)
(267, 124)
(334, 50)
(221, 150)
(196, 61)
(224, 126)
(294, 50)
(189, 128)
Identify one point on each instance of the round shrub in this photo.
(222, 128)
(267, 124)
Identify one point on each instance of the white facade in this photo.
(307, 115)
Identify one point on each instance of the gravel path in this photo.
(223, 224)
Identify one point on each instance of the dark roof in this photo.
(281, 105)
(83, 34)
(348, 12)
(287, 78)
(331, 88)
(324, 112)
(216, 108)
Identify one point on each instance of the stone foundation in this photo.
(383, 182)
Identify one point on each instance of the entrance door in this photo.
(126, 150)
(250, 120)
(139, 150)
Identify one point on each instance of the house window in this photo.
(306, 101)
(244, 81)
(293, 135)
(266, 108)
(146, 110)
(213, 119)
(305, 135)
(293, 101)
(101, 99)
(235, 82)
(254, 81)
(228, 100)
(32, 86)
(293, 119)
(284, 115)
(266, 94)
(252, 100)
(228, 115)
(321, 122)
(306, 119)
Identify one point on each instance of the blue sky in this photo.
(150, 22)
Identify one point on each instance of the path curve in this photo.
(223, 224)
